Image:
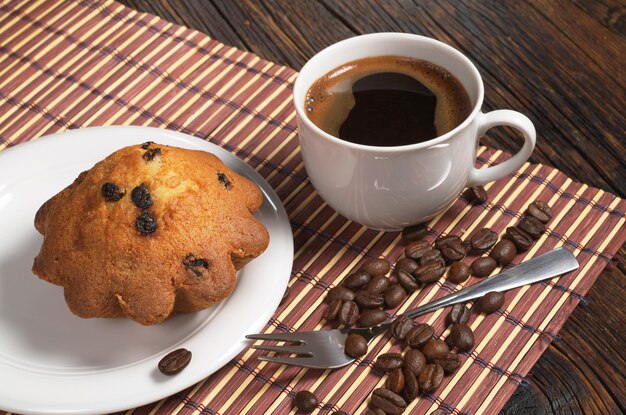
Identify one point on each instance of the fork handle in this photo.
(548, 265)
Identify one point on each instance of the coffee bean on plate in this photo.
(406, 280)
(388, 401)
(395, 381)
(434, 348)
(532, 226)
(504, 252)
(376, 267)
(483, 240)
(459, 313)
(461, 337)
(446, 240)
(332, 311)
(431, 255)
(378, 284)
(490, 302)
(454, 251)
(174, 362)
(406, 264)
(414, 361)
(369, 299)
(372, 317)
(450, 362)
(411, 388)
(430, 272)
(416, 249)
(540, 210)
(401, 327)
(356, 280)
(349, 313)
(459, 272)
(419, 335)
(306, 401)
(355, 345)
(394, 296)
(389, 361)
(415, 232)
(521, 239)
(430, 378)
(483, 267)
(341, 293)
(477, 194)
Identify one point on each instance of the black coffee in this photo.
(387, 101)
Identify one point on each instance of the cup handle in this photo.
(511, 119)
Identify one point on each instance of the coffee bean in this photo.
(477, 194)
(401, 327)
(174, 362)
(445, 240)
(394, 296)
(306, 401)
(461, 337)
(430, 272)
(141, 197)
(455, 250)
(389, 361)
(349, 313)
(532, 226)
(375, 411)
(431, 255)
(504, 252)
(370, 318)
(415, 232)
(483, 240)
(285, 296)
(490, 302)
(369, 299)
(356, 280)
(376, 267)
(414, 361)
(378, 284)
(406, 264)
(395, 381)
(430, 378)
(355, 345)
(416, 249)
(459, 272)
(145, 223)
(332, 311)
(411, 388)
(406, 280)
(419, 335)
(391, 403)
(450, 362)
(341, 293)
(434, 349)
(458, 314)
(540, 210)
(521, 239)
(111, 192)
(483, 266)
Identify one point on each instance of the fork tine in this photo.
(283, 349)
(297, 361)
(280, 337)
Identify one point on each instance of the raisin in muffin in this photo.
(149, 231)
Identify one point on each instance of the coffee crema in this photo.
(387, 101)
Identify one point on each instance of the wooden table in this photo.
(559, 62)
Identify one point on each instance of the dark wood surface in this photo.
(559, 62)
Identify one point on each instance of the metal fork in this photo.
(324, 349)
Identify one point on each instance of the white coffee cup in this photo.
(390, 188)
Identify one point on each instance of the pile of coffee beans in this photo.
(364, 295)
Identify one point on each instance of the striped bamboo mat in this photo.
(85, 63)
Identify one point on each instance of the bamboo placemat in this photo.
(67, 65)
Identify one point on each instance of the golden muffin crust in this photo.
(149, 231)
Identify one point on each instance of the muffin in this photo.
(149, 231)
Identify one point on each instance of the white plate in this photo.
(53, 362)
